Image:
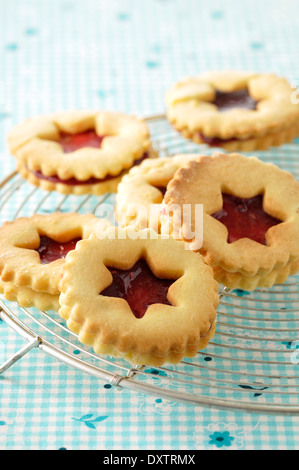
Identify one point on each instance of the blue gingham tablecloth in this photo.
(123, 55)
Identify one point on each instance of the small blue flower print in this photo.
(208, 359)
(156, 372)
(89, 421)
(221, 439)
(257, 45)
(217, 15)
(31, 31)
(4, 115)
(240, 292)
(291, 344)
(12, 46)
(123, 16)
(248, 387)
(152, 64)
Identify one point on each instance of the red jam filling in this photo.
(74, 182)
(50, 250)
(225, 101)
(216, 141)
(139, 287)
(245, 218)
(73, 142)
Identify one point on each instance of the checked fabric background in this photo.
(123, 55)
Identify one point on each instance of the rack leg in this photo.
(18, 355)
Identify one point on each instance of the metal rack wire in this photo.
(251, 364)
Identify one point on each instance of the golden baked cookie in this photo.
(140, 194)
(250, 218)
(132, 294)
(234, 110)
(27, 297)
(79, 152)
(32, 254)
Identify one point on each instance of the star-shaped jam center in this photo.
(245, 218)
(139, 287)
(50, 250)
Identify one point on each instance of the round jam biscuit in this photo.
(79, 152)
(140, 194)
(234, 110)
(250, 218)
(33, 250)
(135, 295)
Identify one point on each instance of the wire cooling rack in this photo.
(251, 364)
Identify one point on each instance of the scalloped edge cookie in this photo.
(34, 143)
(190, 110)
(202, 182)
(28, 298)
(19, 262)
(138, 198)
(108, 324)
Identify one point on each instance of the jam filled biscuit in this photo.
(140, 194)
(28, 298)
(79, 152)
(135, 295)
(234, 110)
(250, 218)
(32, 255)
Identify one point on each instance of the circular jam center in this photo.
(245, 218)
(225, 101)
(139, 287)
(73, 142)
(50, 250)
